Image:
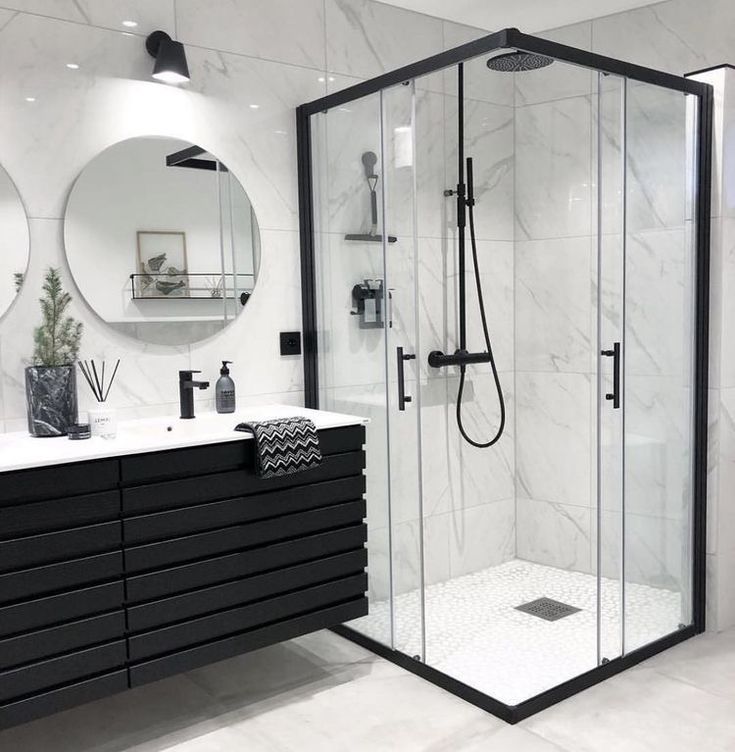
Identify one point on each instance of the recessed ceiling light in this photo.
(72, 66)
(30, 99)
(281, 133)
(331, 78)
(321, 79)
(130, 24)
(254, 106)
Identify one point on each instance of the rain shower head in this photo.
(513, 62)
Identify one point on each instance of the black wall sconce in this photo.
(170, 66)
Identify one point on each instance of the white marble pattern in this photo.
(554, 534)
(675, 36)
(367, 38)
(553, 293)
(106, 13)
(553, 169)
(271, 29)
(553, 427)
(559, 80)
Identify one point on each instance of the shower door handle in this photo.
(615, 355)
(403, 398)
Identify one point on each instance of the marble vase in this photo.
(51, 399)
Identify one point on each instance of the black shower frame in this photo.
(514, 39)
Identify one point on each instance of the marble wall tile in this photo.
(726, 237)
(481, 537)
(553, 169)
(560, 80)
(553, 304)
(366, 38)
(726, 471)
(252, 340)
(75, 119)
(557, 535)
(106, 13)
(271, 29)
(675, 36)
(437, 561)
(456, 475)
(489, 140)
(657, 151)
(148, 374)
(553, 429)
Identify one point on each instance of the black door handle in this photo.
(615, 355)
(403, 398)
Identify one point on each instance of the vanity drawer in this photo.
(205, 488)
(181, 463)
(36, 550)
(58, 481)
(28, 583)
(201, 545)
(55, 609)
(219, 650)
(34, 646)
(236, 620)
(43, 516)
(199, 574)
(231, 594)
(36, 677)
(202, 517)
(29, 708)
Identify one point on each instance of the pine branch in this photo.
(57, 339)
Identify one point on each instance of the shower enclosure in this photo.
(569, 544)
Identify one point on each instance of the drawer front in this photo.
(205, 488)
(233, 594)
(223, 623)
(44, 516)
(33, 646)
(201, 655)
(29, 708)
(181, 463)
(36, 550)
(55, 609)
(36, 677)
(154, 555)
(29, 583)
(218, 514)
(58, 481)
(243, 564)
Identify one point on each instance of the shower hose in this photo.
(486, 333)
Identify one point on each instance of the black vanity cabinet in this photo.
(122, 571)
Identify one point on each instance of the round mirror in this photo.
(162, 240)
(14, 243)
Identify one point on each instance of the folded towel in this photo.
(284, 446)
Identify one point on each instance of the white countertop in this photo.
(19, 451)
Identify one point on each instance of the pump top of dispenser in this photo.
(225, 371)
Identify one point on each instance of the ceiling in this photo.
(527, 15)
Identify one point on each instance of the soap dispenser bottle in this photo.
(225, 390)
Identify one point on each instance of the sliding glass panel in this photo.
(352, 313)
(610, 349)
(658, 365)
(399, 248)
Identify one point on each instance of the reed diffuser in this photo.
(102, 420)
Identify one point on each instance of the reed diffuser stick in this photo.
(96, 379)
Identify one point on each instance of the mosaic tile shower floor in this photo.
(475, 634)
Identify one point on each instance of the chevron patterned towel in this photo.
(284, 446)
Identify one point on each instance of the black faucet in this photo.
(186, 392)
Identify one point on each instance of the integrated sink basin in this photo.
(19, 451)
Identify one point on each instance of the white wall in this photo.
(275, 55)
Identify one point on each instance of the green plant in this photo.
(57, 339)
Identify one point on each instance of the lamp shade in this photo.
(170, 66)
